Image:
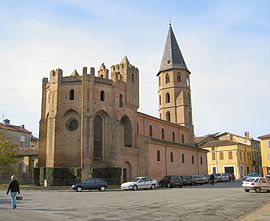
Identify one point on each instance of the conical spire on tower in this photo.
(172, 56)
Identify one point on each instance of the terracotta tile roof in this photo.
(216, 143)
(13, 128)
(264, 136)
(200, 139)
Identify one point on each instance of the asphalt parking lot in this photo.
(224, 201)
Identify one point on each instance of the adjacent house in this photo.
(230, 153)
(265, 153)
(27, 149)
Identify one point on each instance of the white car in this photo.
(257, 184)
(140, 183)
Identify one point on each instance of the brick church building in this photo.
(90, 121)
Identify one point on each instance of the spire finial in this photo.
(170, 21)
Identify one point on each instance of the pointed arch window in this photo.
(127, 131)
(158, 155)
(159, 99)
(178, 78)
(132, 76)
(98, 138)
(137, 128)
(150, 131)
(168, 116)
(102, 95)
(192, 159)
(201, 160)
(173, 136)
(167, 78)
(183, 158)
(162, 134)
(171, 156)
(168, 97)
(71, 94)
(159, 80)
(120, 100)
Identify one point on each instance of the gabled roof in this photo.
(13, 128)
(264, 137)
(172, 56)
(217, 143)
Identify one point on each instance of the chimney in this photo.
(6, 122)
(247, 135)
(22, 126)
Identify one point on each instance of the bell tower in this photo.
(174, 85)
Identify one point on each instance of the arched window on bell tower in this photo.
(167, 78)
(178, 78)
(168, 116)
(168, 97)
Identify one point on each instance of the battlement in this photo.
(117, 74)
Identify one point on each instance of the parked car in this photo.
(217, 177)
(256, 183)
(188, 180)
(140, 183)
(205, 178)
(89, 184)
(225, 177)
(198, 179)
(251, 175)
(171, 181)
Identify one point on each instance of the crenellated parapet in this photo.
(123, 72)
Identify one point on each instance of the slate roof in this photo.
(172, 56)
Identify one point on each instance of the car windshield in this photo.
(250, 180)
(136, 179)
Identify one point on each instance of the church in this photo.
(90, 121)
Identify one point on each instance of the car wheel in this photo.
(153, 186)
(135, 187)
(247, 191)
(257, 190)
(169, 185)
(79, 189)
(102, 188)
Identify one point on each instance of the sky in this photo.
(225, 44)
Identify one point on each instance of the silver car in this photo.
(140, 183)
(256, 183)
(225, 177)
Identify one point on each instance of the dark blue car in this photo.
(90, 184)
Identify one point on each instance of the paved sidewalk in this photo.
(260, 214)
